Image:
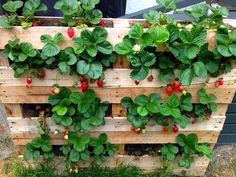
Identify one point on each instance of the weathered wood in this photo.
(13, 110)
(118, 131)
(121, 62)
(113, 95)
(118, 110)
(114, 78)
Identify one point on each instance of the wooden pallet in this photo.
(13, 94)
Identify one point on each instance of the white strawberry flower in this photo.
(137, 48)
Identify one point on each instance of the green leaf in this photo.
(85, 155)
(198, 10)
(58, 38)
(64, 67)
(98, 149)
(5, 23)
(92, 50)
(102, 138)
(200, 69)
(168, 4)
(67, 7)
(212, 66)
(66, 121)
(62, 111)
(136, 31)
(74, 156)
(125, 47)
(152, 16)
(139, 73)
(224, 50)
(173, 101)
(45, 38)
(79, 45)
(191, 51)
(28, 155)
(36, 155)
(46, 147)
(95, 70)
(79, 146)
(93, 16)
(82, 67)
(186, 103)
(142, 111)
(159, 34)
(186, 76)
(166, 75)
(232, 48)
(100, 33)
(141, 100)
(148, 59)
(12, 6)
(126, 102)
(50, 50)
(89, 4)
(183, 121)
(105, 47)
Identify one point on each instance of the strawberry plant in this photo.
(207, 105)
(51, 47)
(39, 146)
(83, 111)
(30, 7)
(135, 48)
(226, 43)
(82, 147)
(92, 46)
(79, 12)
(22, 57)
(207, 16)
(187, 147)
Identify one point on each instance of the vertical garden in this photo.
(83, 89)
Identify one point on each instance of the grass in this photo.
(21, 170)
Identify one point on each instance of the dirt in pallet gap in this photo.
(33, 110)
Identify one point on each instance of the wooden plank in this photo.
(13, 110)
(3, 61)
(121, 149)
(113, 95)
(121, 62)
(118, 131)
(114, 78)
(221, 110)
(118, 110)
(115, 35)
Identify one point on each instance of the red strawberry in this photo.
(100, 83)
(28, 85)
(29, 80)
(136, 82)
(102, 23)
(41, 74)
(181, 89)
(84, 86)
(55, 90)
(82, 79)
(221, 82)
(36, 24)
(70, 32)
(176, 85)
(139, 131)
(169, 90)
(132, 129)
(175, 129)
(217, 84)
(165, 129)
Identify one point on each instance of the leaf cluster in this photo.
(83, 111)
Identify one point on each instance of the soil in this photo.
(143, 149)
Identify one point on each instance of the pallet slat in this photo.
(113, 95)
(114, 78)
(118, 131)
